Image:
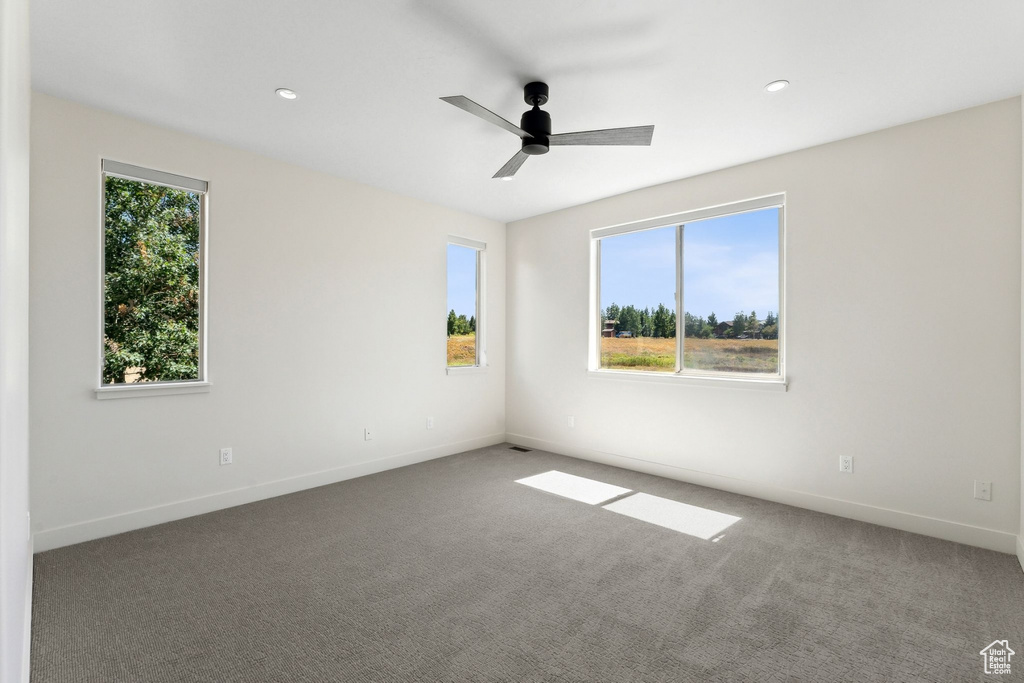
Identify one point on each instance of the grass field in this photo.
(719, 355)
(462, 349)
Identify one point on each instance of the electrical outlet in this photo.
(846, 464)
(225, 456)
(571, 421)
(430, 423)
(367, 434)
(983, 490)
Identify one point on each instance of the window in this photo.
(720, 267)
(465, 308)
(153, 280)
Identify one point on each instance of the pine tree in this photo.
(739, 324)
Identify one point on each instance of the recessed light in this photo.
(507, 178)
(776, 86)
(287, 93)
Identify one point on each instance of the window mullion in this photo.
(680, 316)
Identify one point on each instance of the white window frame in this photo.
(178, 182)
(481, 297)
(775, 381)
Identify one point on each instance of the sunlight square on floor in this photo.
(671, 514)
(577, 488)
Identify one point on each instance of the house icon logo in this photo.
(997, 656)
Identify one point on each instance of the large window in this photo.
(699, 293)
(465, 308)
(152, 276)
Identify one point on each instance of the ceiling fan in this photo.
(535, 129)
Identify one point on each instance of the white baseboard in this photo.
(48, 539)
(906, 521)
(1020, 550)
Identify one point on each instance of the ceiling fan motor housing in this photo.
(535, 129)
(538, 124)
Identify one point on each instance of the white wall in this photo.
(326, 314)
(903, 323)
(15, 542)
(1020, 533)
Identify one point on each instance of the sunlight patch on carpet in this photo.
(671, 514)
(570, 486)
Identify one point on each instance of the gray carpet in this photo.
(450, 571)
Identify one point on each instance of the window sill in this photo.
(151, 389)
(466, 369)
(757, 384)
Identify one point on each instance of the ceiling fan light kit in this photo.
(535, 129)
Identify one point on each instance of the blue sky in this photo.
(730, 264)
(462, 280)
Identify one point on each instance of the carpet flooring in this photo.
(450, 571)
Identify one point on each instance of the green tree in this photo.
(629, 321)
(151, 282)
(453, 320)
(646, 323)
(753, 324)
(739, 324)
(472, 324)
(693, 325)
(612, 313)
(713, 320)
(660, 321)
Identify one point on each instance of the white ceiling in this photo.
(369, 75)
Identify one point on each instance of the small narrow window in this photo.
(699, 293)
(153, 264)
(464, 319)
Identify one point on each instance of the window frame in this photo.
(481, 288)
(679, 221)
(117, 169)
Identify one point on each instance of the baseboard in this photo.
(905, 521)
(48, 539)
(26, 642)
(1020, 550)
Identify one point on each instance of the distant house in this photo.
(721, 328)
(609, 328)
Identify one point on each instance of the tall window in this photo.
(465, 285)
(638, 301)
(152, 276)
(696, 294)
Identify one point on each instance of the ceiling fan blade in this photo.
(637, 135)
(466, 104)
(512, 165)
